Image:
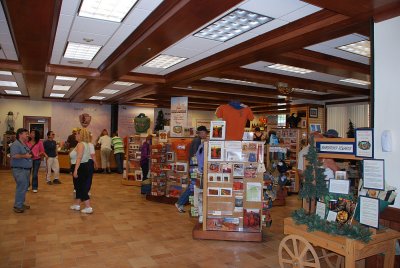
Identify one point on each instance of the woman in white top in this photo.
(80, 170)
(105, 150)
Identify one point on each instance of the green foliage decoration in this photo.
(315, 223)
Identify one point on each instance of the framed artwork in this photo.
(138, 175)
(315, 128)
(162, 136)
(215, 151)
(364, 142)
(313, 113)
(180, 167)
(217, 131)
(170, 156)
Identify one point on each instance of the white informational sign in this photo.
(374, 174)
(369, 211)
(331, 216)
(339, 186)
(179, 115)
(320, 211)
(365, 142)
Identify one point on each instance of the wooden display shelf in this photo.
(199, 233)
(162, 199)
(131, 183)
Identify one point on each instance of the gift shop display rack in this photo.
(133, 172)
(232, 191)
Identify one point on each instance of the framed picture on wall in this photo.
(313, 113)
(315, 128)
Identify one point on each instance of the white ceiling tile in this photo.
(20, 81)
(4, 27)
(148, 4)
(196, 43)
(104, 53)
(267, 27)
(98, 39)
(2, 15)
(65, 22)
(94, 26)
(56, 56)
(11, 54)
(95, 64)
(70, 7)
(339, 53)
(136, 16)
(300, 13)
(5, 38)
(181, 52)
(121, 34)
(344, 40)
(2, 55)
(272, 8)
(61, 40)
(147, 70)
(85, 63)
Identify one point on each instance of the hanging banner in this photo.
(179, 115)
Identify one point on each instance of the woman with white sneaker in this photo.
(80, 170)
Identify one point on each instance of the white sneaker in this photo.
(87, 210)
(75, 207)
(35, 190)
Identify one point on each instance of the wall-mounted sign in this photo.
(365, 142)
(335, 147)
(179, 115)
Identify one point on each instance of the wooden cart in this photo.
(297, 249)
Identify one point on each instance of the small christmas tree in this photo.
(314, 185)
(350, 132)
(160, 121)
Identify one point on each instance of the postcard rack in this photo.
(232, 191)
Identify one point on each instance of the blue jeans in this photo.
(21, 177)
(35, 171)
(119, 159)
(184, 198)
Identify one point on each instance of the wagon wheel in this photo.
(332, 259)
(295, 251)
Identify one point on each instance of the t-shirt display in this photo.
(236, 118)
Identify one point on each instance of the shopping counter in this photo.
(63, 159)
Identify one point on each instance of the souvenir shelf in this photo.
(132, 167)
(232, 192)
(7, 139)
(287, 150)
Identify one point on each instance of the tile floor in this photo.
(125, 230)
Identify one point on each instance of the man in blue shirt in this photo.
(21, 164)
(50, 148)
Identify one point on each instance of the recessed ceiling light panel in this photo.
(81, 51)
(235, 23)
(121, 83)
(109, 91)
(5, 73)
(356, 81)
(8, 84)
(289, 68)
(164, 61)
(61, 88)
(66, 78)
(110, 10)
(239, 81)
(97, 97)
(13, 92)
(57, 95)
(362, 48)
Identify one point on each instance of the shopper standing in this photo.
(50, 148)
(118, 146)
(21, 164)
(197, 151)
(145, 157)
(105, 151)
(80, 170)
(37, 149)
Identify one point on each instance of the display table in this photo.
(352, 250)
(65, 164)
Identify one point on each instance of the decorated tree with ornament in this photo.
(160, 121)
(350, 131)
(314, 185)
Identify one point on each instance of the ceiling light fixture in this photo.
(97, 97)
(122, 83)
(355, 81)
(81, 51)
(5, 73)
(233, 24)
(8, 84)
(61, 88)
(57, 95)
(109, 10)
(109, 91)
(239, 81)
(66, 78)
(13, 92)
(164, 61)
(284, 88)
(362, 48)
(289, 68)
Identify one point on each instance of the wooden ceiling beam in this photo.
(272, 78)
(171, 21)
(33, 27)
